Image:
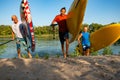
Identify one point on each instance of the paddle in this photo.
(6, 42)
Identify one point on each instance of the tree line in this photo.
(6, 30)
(40, 30)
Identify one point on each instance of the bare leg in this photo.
(62, 46)
(29, 55)
(84, 53)
(19, 55)
(87, 52)
(67, 46)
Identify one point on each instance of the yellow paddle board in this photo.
(75, 18)
(105, 36)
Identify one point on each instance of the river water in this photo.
(51, 47)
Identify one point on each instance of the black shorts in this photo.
(85, 47)
(63, 36)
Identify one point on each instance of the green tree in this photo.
(5, 30)
(95, 26)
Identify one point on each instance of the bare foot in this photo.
(29, 55)
(19, 56)
(65, 56)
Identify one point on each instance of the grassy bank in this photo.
(37, 36)
(5, 36)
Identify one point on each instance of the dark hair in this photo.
(63, 8)
(86, 26)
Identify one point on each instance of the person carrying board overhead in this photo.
(85, 35)
(17, 31)
(63, 30)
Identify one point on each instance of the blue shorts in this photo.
(23, 42)
(63, 36)
(85, 47)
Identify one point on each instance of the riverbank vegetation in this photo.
(46, 31)
(42, 30)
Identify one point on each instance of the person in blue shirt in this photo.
(85, 41)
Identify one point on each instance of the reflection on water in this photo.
(51, 47)
(2, 49)
(43, 47)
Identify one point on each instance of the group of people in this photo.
(83, 38)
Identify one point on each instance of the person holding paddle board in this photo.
(63, 30)
(18, 31)
(85, 35)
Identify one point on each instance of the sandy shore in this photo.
(79, 68)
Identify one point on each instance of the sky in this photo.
(44, 11)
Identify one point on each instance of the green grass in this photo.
(6, 36)
(57, 55)
(94, 53)
(37, 56)
(24, 55)
(107, 51)
(46, 56)
(73, 55)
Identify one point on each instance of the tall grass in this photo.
(107, 51)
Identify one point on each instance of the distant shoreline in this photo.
(37, 36)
